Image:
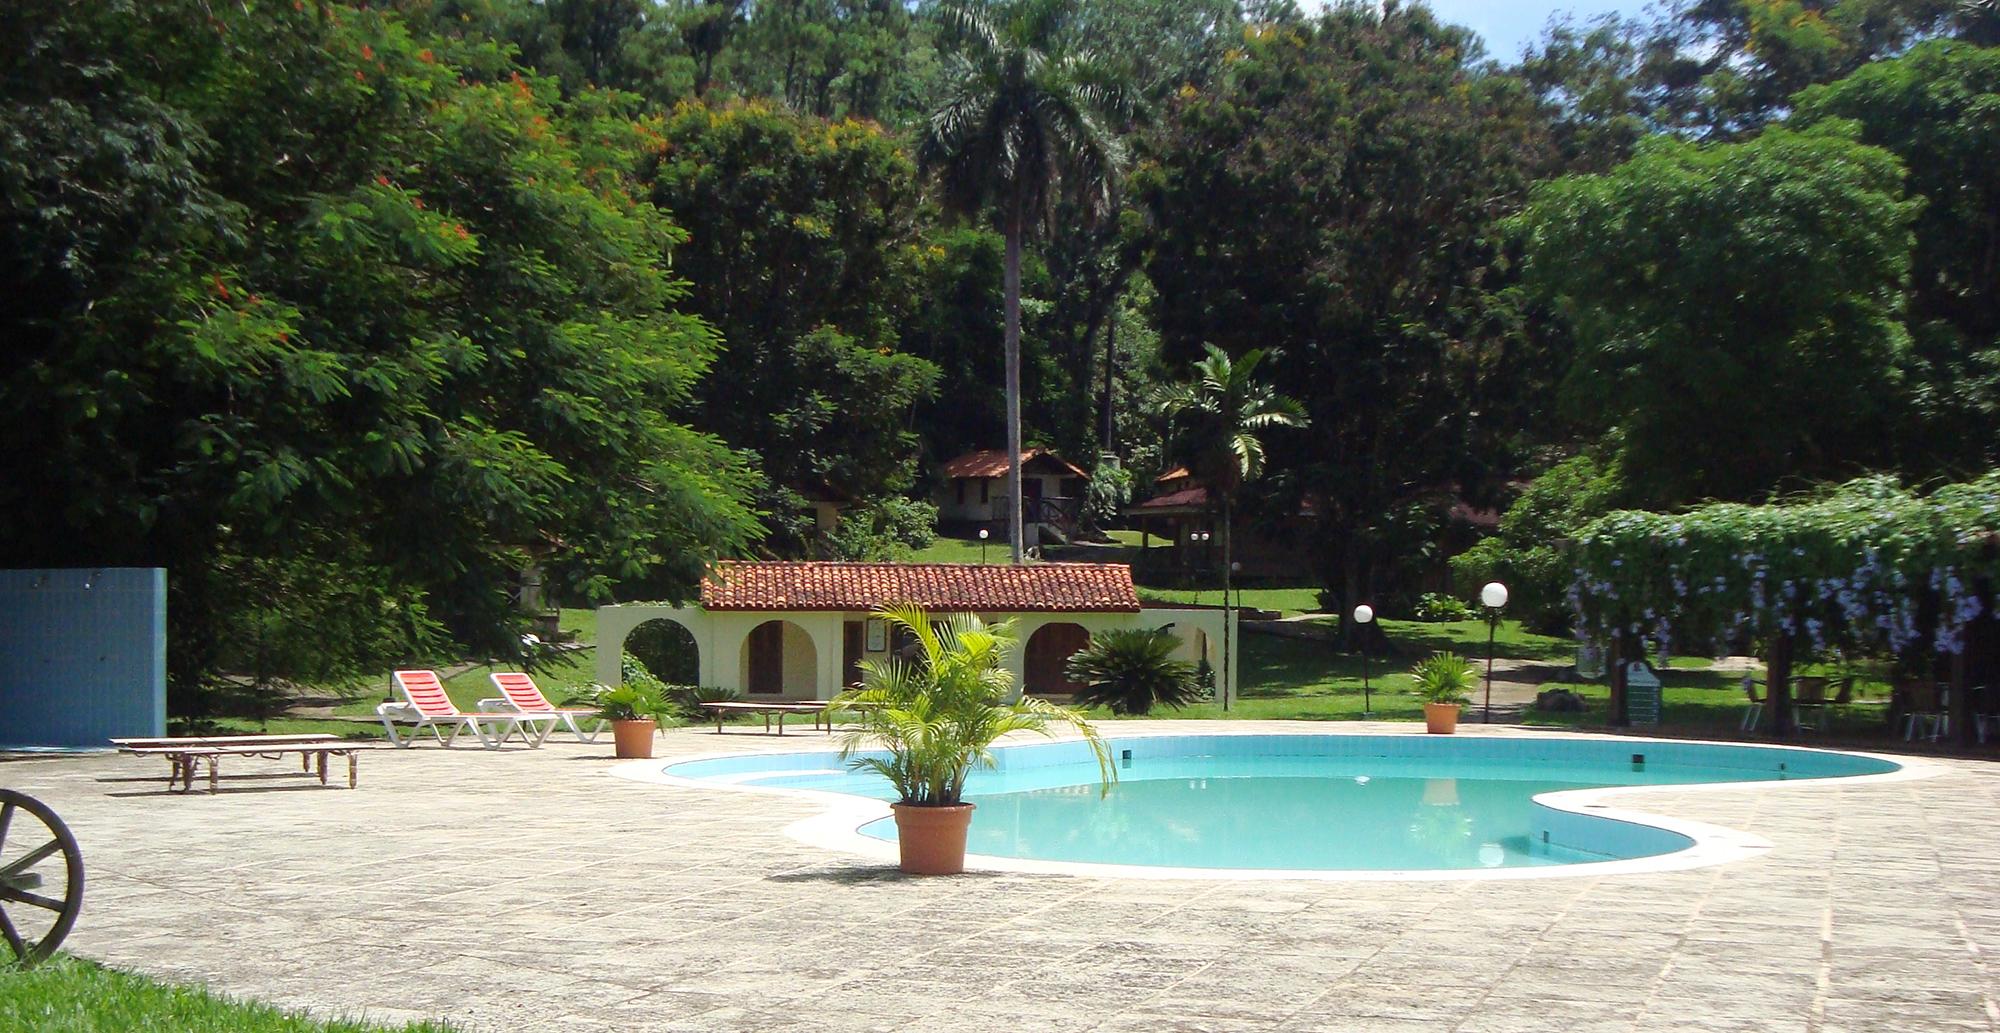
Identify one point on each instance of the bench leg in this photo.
(353, 769)
(322, 766)
(212, 765)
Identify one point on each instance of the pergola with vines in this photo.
(1868, 568)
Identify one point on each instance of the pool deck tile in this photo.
(531, 891)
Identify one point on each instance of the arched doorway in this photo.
(666, 648)
(1049, 648)
(779, 659)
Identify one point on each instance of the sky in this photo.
(1509, 25)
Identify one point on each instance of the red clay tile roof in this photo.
(1002, 588)
(1186, 498)
(992, 462)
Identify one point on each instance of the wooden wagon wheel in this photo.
(41, 878)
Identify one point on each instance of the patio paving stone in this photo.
(531, 891)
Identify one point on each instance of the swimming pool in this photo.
(1313, 802)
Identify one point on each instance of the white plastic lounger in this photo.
(519, 695)
(425, 705)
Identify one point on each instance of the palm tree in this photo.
(1020, 124)
(1217, 419)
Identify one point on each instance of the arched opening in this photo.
(1049, 648)
(779, 659)
(666, 648)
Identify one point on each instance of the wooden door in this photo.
(767, 658)
(1049, 648)
(850, 653)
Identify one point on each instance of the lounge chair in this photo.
(425, 705)
(1755, 710)
(519, 695)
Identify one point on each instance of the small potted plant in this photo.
(634, 712)
(1442, 680)
(927, 722)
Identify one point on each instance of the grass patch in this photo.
(1288, 601)
(1306, 680)
(68, 995)
(962, 550)
(1468, 638)
(1703, 700)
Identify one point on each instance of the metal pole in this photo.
(1367, 700)
(1491, 626)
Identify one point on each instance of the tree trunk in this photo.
(1015, 532)
(1110, 364)
(1778, 687)
(1228, 608)
(1961, 698)
(1619, 715)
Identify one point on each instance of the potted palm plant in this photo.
(1443, 680)
(634, 712)
(926, 723)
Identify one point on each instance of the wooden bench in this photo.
(724, 708)
(186, 753)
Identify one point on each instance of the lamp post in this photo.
(1365, 614)
(982, 546)
(1494, 598)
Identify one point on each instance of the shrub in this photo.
(1106, 496)
(886, 529)
(1132, 670)
(1433, 606)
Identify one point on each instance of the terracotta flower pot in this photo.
(1440, 718)
(932, 838)
(633, 740)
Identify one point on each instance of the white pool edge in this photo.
(837, 828)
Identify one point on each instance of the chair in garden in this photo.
(520, 695)
(1755, 710)
(425, 705)
(1810, 698)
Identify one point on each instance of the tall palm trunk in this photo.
(1015, 533)
(1110, 367)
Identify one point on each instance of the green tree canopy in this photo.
(1736, 306)
(393, 337)
(1938, 109)
(802, 250)
(1335, 194)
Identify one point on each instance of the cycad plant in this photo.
(1132, 670)
(936, 717)
(1021, 122)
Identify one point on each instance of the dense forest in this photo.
(346, 313)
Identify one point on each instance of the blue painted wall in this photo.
(83, 655)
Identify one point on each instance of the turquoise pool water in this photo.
(1291, 802)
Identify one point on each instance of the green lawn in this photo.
(1695, 698)
(1510, 640)
(1288, 601)
(67, 995)
(961, 550)
(1299, 679)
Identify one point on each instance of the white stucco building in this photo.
(800, 630)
